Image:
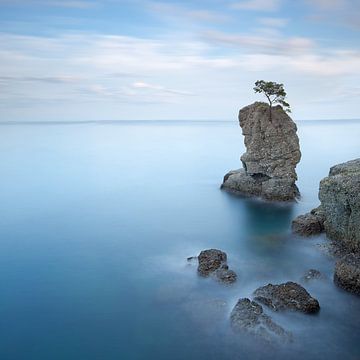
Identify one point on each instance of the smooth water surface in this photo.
(97, 221)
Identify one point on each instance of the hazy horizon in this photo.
(148, 59)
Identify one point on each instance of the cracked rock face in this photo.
(340, 202)
(248, 316)
(272, 152)
(288, 296)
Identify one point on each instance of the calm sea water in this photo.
(97, 221)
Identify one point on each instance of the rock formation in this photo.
(288, 296)
(213, 262)
(340, 202)
(339, 216)
(272, 152)
(248, 317)
(339, 212)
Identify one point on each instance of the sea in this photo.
(97, 220)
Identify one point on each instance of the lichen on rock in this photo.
(272, 152)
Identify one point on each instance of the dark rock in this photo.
(288, 296)
(308, 224)
(347, 273)
(191, 258)
(248, 316)
(213, 262)
(210, 260)
(272, 152)
(312, 274)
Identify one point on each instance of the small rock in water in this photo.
(226, 276)
(307, 225)
(312, 274)
(210, 260)
(248, 316)
(347, 273)
(288, 296)
(191, 258)
(213, 262)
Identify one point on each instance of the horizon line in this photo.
(69, 122)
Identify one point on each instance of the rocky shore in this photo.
(339, 217)
(248, 316)
(272, 152)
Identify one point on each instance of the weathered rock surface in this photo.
(288, 296)
(272, 152)
(347, 273)
(309, 224)
(213, 262)
(340, 202)
(248, 316)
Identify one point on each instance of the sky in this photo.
(66, 60)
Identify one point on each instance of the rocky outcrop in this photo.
(248, 317)
(340, 202)
(214, 262)
(347, 273)
(309, 224)
(288, 296)
(272, 152)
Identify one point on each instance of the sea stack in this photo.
(272, 153)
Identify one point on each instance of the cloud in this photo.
(344, 13)
(200, 78)
(261, 44)
(273, 22)
(143, 85)
(257, 5)
(74, 4)
(46, 79)
(177, 11)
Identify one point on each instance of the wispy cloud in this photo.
(257, 5)
(74, 4)
(273, 22)
(173, 10)
(262, 44)
(143, 85)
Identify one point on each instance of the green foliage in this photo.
(274, 92)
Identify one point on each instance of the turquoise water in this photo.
(97, 221)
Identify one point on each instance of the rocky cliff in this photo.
(339, 216)
(272, 152)
(339, 194)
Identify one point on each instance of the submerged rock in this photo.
(213, 262)
(288, 296)
(340, 202)
(248, 316)
(309, 224)
(225, 275)
(272, 152)
(312, 274)
(347, 273)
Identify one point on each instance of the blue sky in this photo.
(144, 59)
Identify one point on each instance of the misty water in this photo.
(97, 220)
